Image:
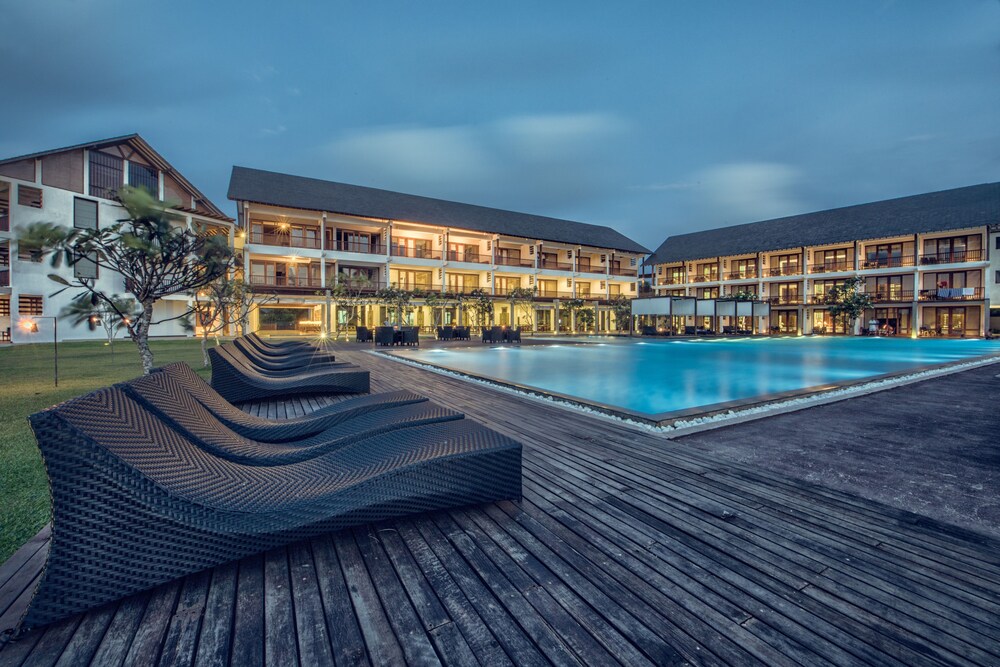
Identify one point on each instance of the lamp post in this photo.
(31, 326)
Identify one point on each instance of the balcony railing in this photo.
(952, 294)
(515, 261)
(555, 294)
(554, 265)
(952, 257)
(284, 240)
(468, 256)
(742, 275)
(364, 248)
(624, 272)
(888, 261)
(831, 267)
(785, 300)
(787, 270)
(416, 253)
(891, 296)
(711, 278)
(672, 280)
(287, 283)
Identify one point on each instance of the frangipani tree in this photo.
(152, 249)
(105, 314)
(847, 301)
(522, 299)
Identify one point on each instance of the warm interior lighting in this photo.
(30, 326)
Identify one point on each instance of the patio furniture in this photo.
(690, 331)
(498, 334)
(462, 333)
(273, 369)
(137, 503)
(411, 336)
(281, 346)
(280, 430)
(363, 335)
(385, 336)
(514, 335)
(648, 331)
(445, 333)
(487, 335)
(236, 382)
(289, 362)
(299, 348)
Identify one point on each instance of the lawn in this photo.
(27, 382)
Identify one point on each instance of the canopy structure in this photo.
(681, 306)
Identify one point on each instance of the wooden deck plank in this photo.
(215, 638)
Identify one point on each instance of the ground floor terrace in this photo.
(767, 543)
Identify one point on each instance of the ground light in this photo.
(31, 326)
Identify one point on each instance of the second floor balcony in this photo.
(469, 256)
(623, 271)
(952, 294)
(555, 265)
(785, 270)
(285, 240)
(954, 256)
(784, 300)
(741, 275)
(417, 252)
(832, 266)
(890, 295)
(705, 278)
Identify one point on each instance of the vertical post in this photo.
(55, 349)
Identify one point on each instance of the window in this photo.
(29, 196)
(998, 242)
(84, 213)
(85, 266)
(29, 305)
(27, 253)
(106, 175)
(4, 207)
(5, 306)
(997, 278)
(141, 176)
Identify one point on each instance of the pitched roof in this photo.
(143, 147)
(934, 211)
(267, 187)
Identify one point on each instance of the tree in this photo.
(152, 249)
(396, 299)
(847, 301)
(585, 318)
(621, 306)
(100, 314)
(569, 308)
(349, 292)
(522, 298)
(481, 306)
(435, 301)
(212, 310)
(745, 295)
(244, 299)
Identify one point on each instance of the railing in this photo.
(515, 261)
(784, 300)
(742, 275)
(467, 256)
(890, 296)
(416, 253)
(552, 264)
(789, 270)
(888, 262)
(286, 283)
(554, 294)
(363, 248)
(705, 279)
(284, 240)
(672, 281)
(952, 257)
(952, 294)
(830, 267)
(623, 272)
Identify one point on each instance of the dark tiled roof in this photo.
(935, 211)
(143, 147)
(266, 187)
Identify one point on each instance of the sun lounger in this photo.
(272, 369)
(288, 362)
(237, 382)
(280, 346)
(137, 504)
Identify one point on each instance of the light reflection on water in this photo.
(663, 376)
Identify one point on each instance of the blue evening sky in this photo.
(653, 117)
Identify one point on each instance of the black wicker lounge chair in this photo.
(137, 504)
(281, 430)
(363, 335)
(236, 382)
(296, 350)
(162, 396)
(271, 369)
(290, 362)
(279, 346)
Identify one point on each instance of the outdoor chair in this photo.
(298, 349)
(280, 430)
(385, 336)
(137, 503)
(498, 335)
(445, 333)
(273, 369)
(411, 336)
(514, 335)
(237, 382)
(288, 362)
(363, 335)
(648, 331)
(282, 346)
(487, 335)
(462, 333)
(690, 331)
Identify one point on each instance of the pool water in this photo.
(660, 378)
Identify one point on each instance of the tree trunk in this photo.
(140, 334)
(204, 348)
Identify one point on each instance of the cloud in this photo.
(749, 191)
(543, 162)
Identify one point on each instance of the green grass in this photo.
(27, 388)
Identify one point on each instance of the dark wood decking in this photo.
(627, 549)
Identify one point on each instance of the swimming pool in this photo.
(663, 379)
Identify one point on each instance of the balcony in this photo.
(554, 265)
(784, 300)
(362, 248)
(741, 275)
(672, 280)
(889, 262)
(952, 294)
(711, 278)
(549, 295)
(891, 296)
(287, 284)
(415, 253)
(788, 270)
(832, 267)
(284, 240)
(952, 257)
(631, 273)
(514, 261)
(468, 256)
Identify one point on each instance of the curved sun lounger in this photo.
(158, 393)
(137, 504)
(281, 346)
(280, 430)
(289, 362)
(250, 346)
(236, 381)
(277, 370)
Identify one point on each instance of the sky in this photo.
(655, 118)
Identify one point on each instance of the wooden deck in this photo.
(627, 549)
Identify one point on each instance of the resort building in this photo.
(76, 186)
(302, 237)
(930, 262)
